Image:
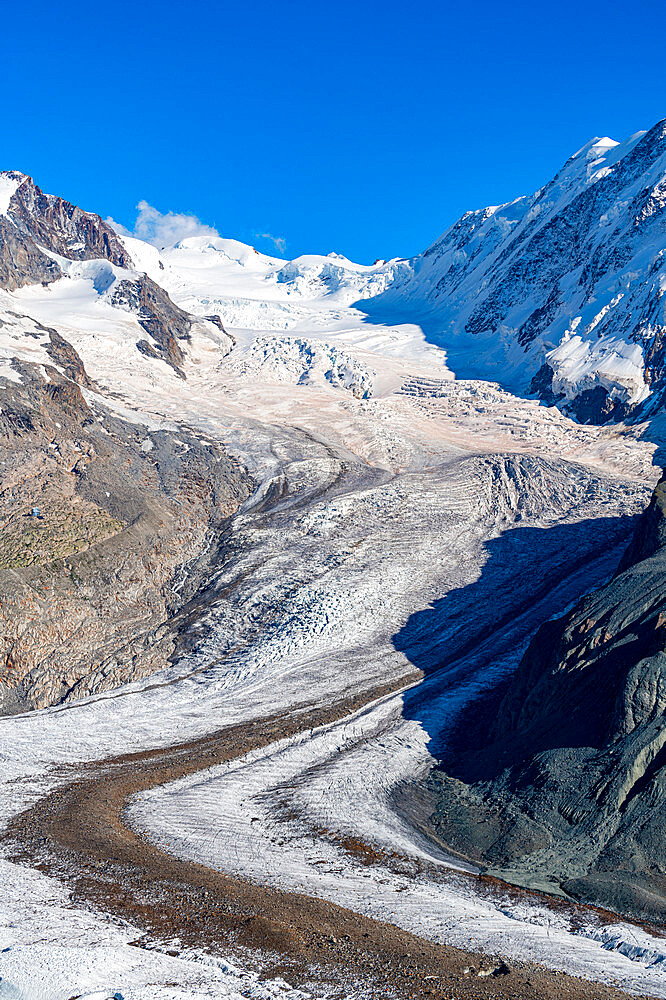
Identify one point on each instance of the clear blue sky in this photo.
(364, 128)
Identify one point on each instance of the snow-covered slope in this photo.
(559, 293)
(254, 292)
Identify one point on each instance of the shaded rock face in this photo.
(109, 531)
(591, 406)
(560, 778)
(61, 227)
(158, 315)
(21, 260)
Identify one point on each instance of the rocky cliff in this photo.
(61, 227)
(561, 777)
(42, 236)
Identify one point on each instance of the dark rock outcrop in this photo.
(159, 316)
(21, 261)
(67, 359)
(61, 227)
(35, 222)
(560, 778)
(168, 325)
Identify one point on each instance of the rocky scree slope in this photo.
(560, 777)
(129, 521)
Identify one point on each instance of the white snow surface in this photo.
(8, 185)
(51, 952)
(412, 491)
(579, 364)
(502, 292)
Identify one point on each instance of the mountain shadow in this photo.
(555, 776)
(468, 642)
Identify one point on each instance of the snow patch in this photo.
(8, 372)
(8, 186)
(579, 364)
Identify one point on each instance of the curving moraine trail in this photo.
(79, 833)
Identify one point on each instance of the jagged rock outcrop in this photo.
(164, 321)
(33, 222)
(561, 778)
(108, 530)
(61, 227)
(65, 357)
(21, 261)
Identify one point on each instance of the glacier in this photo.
(465, 436)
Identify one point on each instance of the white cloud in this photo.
(279, 242)
(118, 227)
(163, 229)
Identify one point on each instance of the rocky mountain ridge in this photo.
(561, 293)
(558, 777)
(34, 227)
(42, 235)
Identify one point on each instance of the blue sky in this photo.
(365, 128)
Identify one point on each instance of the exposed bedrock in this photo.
(560, 777)
(21, 260)
(61, 227)
(165, 322)
(108, 531)
(38, 226)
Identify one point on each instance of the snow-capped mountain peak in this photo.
(559, 293)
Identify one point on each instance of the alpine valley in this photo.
(333, 605)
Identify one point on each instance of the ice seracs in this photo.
(608, 363)
(300, 360)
